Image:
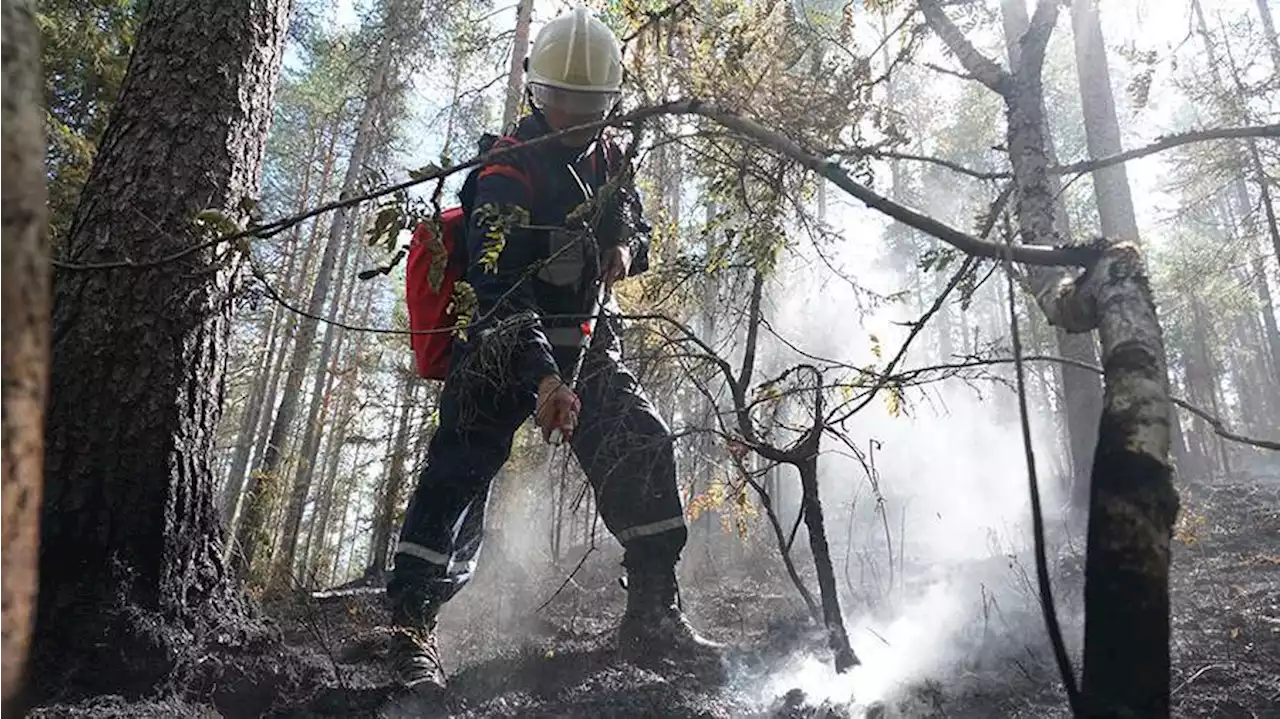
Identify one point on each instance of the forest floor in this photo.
(511, 656)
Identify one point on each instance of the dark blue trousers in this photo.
(623, 446)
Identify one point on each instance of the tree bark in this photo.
(25, 344)
(515, 73)
(138, 355)
(1133, 505)
(249, 532)
(1081, 390)
(1132, 500)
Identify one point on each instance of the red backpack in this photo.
(437, 260)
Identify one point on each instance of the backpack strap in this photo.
(488, 143)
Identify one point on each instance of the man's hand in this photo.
(616, 263)
(558, 408)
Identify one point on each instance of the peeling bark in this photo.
(25, 343)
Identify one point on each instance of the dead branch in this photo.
(1037, 514)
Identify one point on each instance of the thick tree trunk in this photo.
(249, 532)
(515, 73)
(282, 572)
(25, 344)
(138, 355)
(1133, 504)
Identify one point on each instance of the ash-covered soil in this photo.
(515, 652)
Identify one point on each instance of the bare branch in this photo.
(1219, 426)
(986, 70)
(1170, 141)
(1037, 514)
(1036, 40)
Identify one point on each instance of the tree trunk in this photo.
(1273, 42)
(1132, 501)
(515, 74)
(262, 431)
(1133, 507)
(1081, 390)
(248, 533)
(337, 437)
(138, 363)
(25, 344)
(282, 572)
(258, 389)
(390, 500)
(1126, 661)
(838, 639)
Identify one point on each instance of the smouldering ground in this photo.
(509, 659)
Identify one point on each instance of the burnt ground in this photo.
(512, 656)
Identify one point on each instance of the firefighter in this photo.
(573, 77)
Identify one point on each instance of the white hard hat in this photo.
(575, 64)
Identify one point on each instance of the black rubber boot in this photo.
(415, 655)
(654, 627)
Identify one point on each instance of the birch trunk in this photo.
(1132, 500)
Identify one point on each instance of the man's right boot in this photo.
(415, 654)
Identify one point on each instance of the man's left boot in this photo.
(655, 627)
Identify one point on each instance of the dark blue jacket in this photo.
(535, 268)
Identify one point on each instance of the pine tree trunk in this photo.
(337, 438)
(296, 283)
(138, 363)
(282, 573)
(25, 344)
(258, 389)
(390, 500)
(248, 534)
(1273, 44)
(515, 73)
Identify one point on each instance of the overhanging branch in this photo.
(986, 70)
